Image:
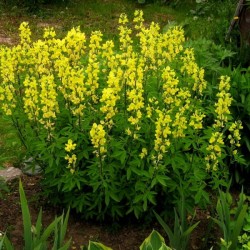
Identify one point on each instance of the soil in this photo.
(126, 237)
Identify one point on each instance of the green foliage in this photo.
(125, 146)
(5, 244)
(154, 242)
(240, 110)
(230, 220)
(244, 239)
(97, 246)
(35, 237)
(179, 236)
(211, 56)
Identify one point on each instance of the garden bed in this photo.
(123, 236)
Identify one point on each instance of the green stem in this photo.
(20, 134)
(125, 97)
(101, 165)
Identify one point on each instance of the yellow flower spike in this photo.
(214, 151)
(31, 98)
(74, 45)
(196, 120)
(71, 162)
(138, 19)
(162, 133)
(235, 136)
(25, 34)
(49, 33)
(97, 135)
(123, 19)
(223, 103)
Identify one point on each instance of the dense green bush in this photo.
(117, 129)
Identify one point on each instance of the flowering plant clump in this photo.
(117, 127)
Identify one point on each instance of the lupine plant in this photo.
(116, 127)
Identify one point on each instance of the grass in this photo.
(103, 15)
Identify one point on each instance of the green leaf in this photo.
(162, 180)
(7, 243)
(238, 227)
(114, 196)
(63, 223)
(28, 241)
(128, 173)
(153, 242)
(165, 227)
(47, 232)
(247, 228)
(66, 246)
(107, 197)
(140, 186)
(190, 229)
(38, 226)
(136, 170)
(97, 246)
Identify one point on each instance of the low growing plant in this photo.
(35, 237)
(230, 220)
(180, 234)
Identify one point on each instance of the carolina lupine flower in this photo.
(48, 101)
(224, 102)
(70, 146)
(143, 153)
(74, 45)
(93, 67)
(170, 86)
(196, 120)
(214, 151)
(97, 135)
(25, 34)
(31, 98)
(235, 136)
(71, 158)
(9, 82)
(162, 133)
(197, 81)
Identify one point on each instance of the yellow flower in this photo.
(143, 153)
(70, 146)
(98, 134)
(71, 162)
(214, 151)
(224, 102)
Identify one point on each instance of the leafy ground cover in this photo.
(118, 138)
